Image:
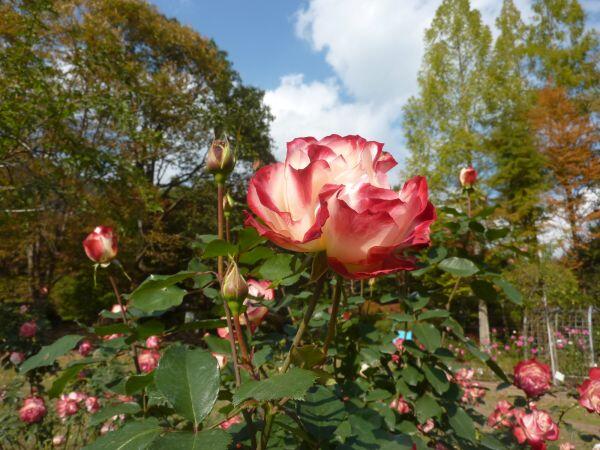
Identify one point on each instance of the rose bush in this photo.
(244, 348)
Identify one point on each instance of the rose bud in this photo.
(400, 405)
(533, 377)
(101, 245)
(28, 329)
(234, 288)
(33, 410)
(17, 358)
(427, 426)
(534, 428)
(92, 405)
(468, 177)
(58, 440)
(220, 159)
(153, 342)
(229, 422)
(85, 348)
(148, 360)
(589, 392)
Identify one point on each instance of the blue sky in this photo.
(329, 66)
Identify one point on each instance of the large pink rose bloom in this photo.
(589, 392)
(534, 428)
(33, 410)
(333, 195)
(533, 377)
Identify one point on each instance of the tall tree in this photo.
(517, 176)
(560, 48)
(444, 123)
(567, 139)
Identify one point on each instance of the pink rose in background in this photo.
(589, 391)
(116, 309)
(534, 428)
(17, 358)
(533, 377)
(85, 348)
(58, 440)
(400, 405)
(101, 245)
(260, 289)
(23, 309)
(566, 446)
(229, 422)
(153, 342)
(92, 404)
(148, 360)
(221, 360)
(255, 315)
(28, 329)
(110, 337)
(68, 405)
(427, 426)
(468, 176)
(501, 417)
(33, 410)
(333, 195)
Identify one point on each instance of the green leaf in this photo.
(114, 410)
(219, 247)
(158, 292)
(459, 267)
(189, 380)
(434, 314)
(184, 440)
(307, 356)
(58, 386)
(255, 255)
(484, 290)
(426, 407)
(496, 233)
(402, 317)
(461, 422)
(136, 383)
(218, 345)
(133, 436)
(428, 335)
(484, 357)
(292, 384)
(509, 290)
(149, 328)
(321, 413)
(491, 442)
(113, 328)
(277, 268)
(208, 324)
(437, 378)
(248, 238)
(48, 354)
(411, 375)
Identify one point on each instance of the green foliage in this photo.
(293, 384)
(48, 354)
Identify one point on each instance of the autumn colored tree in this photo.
(568, 141)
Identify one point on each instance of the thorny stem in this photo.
(337, 295)
(236, 367)
(310, 309)
(125, 321)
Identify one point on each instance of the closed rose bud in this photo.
(234, 288)
(85, 348)
(101, 245)
(153, 342)
(17, 358)
(400, 405)
(148, 360)
(28, 329)
(220, 159)
(468, 177)
(33, 410)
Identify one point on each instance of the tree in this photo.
(99, 98)
(567, 139)
(517, 176)
(444, 123)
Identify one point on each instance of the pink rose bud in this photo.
(333, 195)
(116, 308)
(28, 329)
(33, 410)
(533, 377)
(68, 405)
(400, 405)
(229, 422)
(148, 360)
(427, 426)
(101, 245)
(92, 405)
(468, 176)
(221, 360)
(589, 391)
(17, 358)
(153, 342)
(220, 159)
(534, 428)
(58, 440)
(85, 348)
(566, 446)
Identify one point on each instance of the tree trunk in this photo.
(484, 324)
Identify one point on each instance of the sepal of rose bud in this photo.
(228, 203)
(220, 159)
(234, 288)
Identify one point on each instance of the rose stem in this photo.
(337, 291)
